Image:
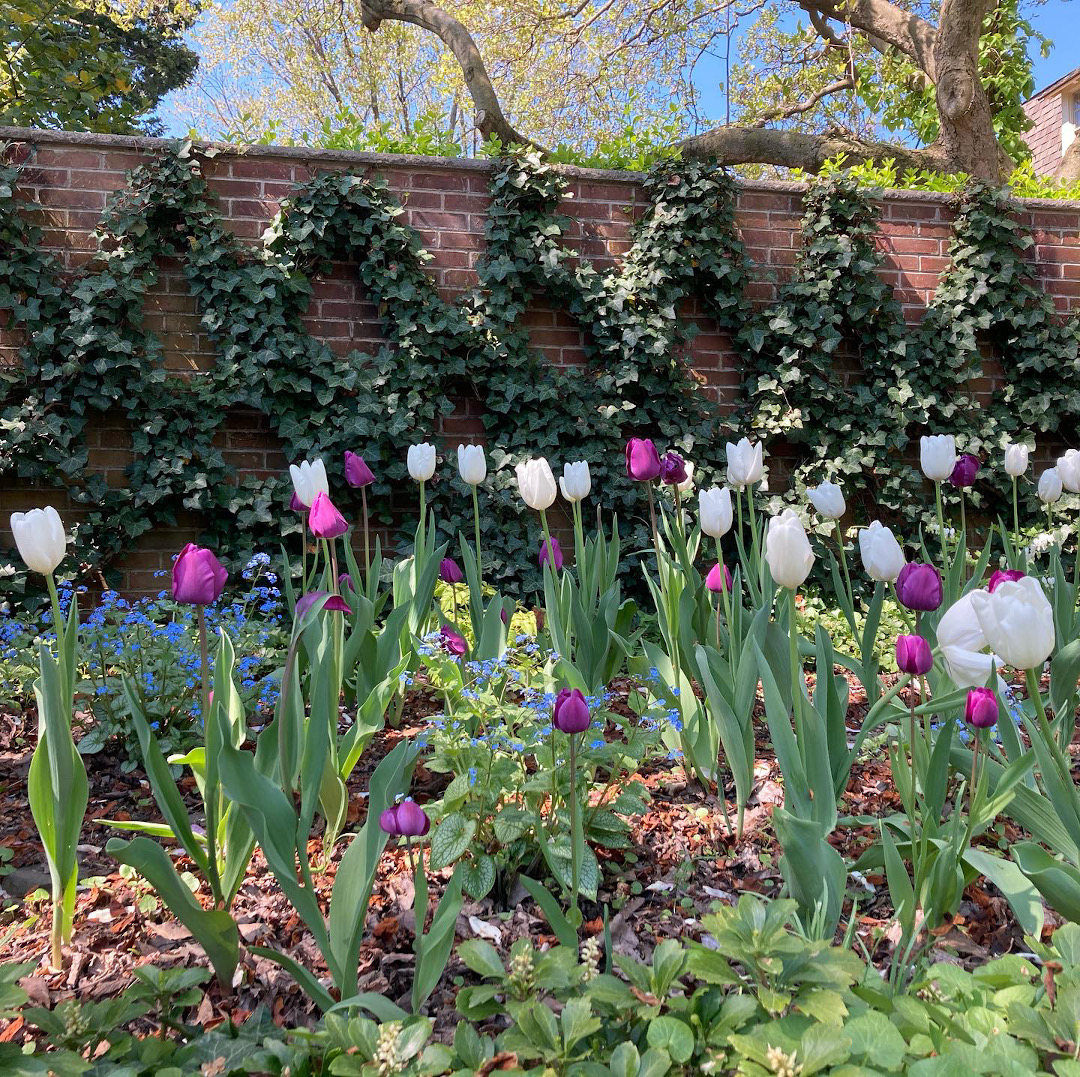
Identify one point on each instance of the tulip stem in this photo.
(476, 531)
(575, 841)
(652, 523)
(584, 582)
(753, 529)
(963, 534)
(974, 777)
(844, 565)
(211, 805)
(727, 606)
(1016, 523)
(423, 518)
(941, 528)
(796, 669)
(367, 539)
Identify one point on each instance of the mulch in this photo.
(681, 863)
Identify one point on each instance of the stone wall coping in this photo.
(368, 159)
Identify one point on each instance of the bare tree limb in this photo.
(912, 35)
(800, 149)
(489, 115)
(1069, 168)
(784, 112)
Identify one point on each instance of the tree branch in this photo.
(489, 117)
(889, 22)
(800, 149)
(784, 112)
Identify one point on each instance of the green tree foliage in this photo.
(92, 66)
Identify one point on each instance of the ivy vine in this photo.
(830, 370)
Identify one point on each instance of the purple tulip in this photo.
(346, 581)
(571, 712)
(963, 474)
(981, 708)
(449, 571)
(453, 641)
(642, 460)
(919, 586)
(324, 520)
(718, 579)
(305, 602)
(556, 553)
(504, 616)
(913, 655)
(672, 469)
(405, 820)
(296, 504)
(198, 577)
(1006, 576)
(357, 473)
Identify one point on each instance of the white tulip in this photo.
(576, 481)
(1050, 486)
(744, 463)
(1016, 460)
(828, 499)
(39, 535)
(882, 556)
(1018, 621)
(421, 461)
(714, 511)
(937, 456)
(787, 550)
(1068, 467)
(687, 483)
(962, 643)
(471, 463)
(309, 480)
(536, 483)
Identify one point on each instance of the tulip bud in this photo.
(1017, 621)
(964, 471)
(1003, 576)
(536, 484)
(881, 554)
(745, 464)
(309, 480)
(421, 461)
(556, 553)
(504, 616)
(449, 572)
(1050, 486)
(571, 713)
(718, 579)
(472, 464)
(787, 550)
(39, 535)
(405, 820)
(453, 641)
(324, 520)
(357, 473)
(919, 587)
(672, 469)
(714, 511)
(1016, 460)
(642, 460)
(576, 481)
(828, 499)
(913, 655)
(1068, 468)
(333, 602)
(198, 577)
(981, 708)
(684, 486)
(937, 456)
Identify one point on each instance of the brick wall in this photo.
(1044, 138)
(67, 179)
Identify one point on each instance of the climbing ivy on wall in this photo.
(829, 368)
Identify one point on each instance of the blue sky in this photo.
(1058, 20)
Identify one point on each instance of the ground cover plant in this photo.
(734, 828)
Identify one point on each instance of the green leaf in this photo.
(450, 838)
(671, 1035)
